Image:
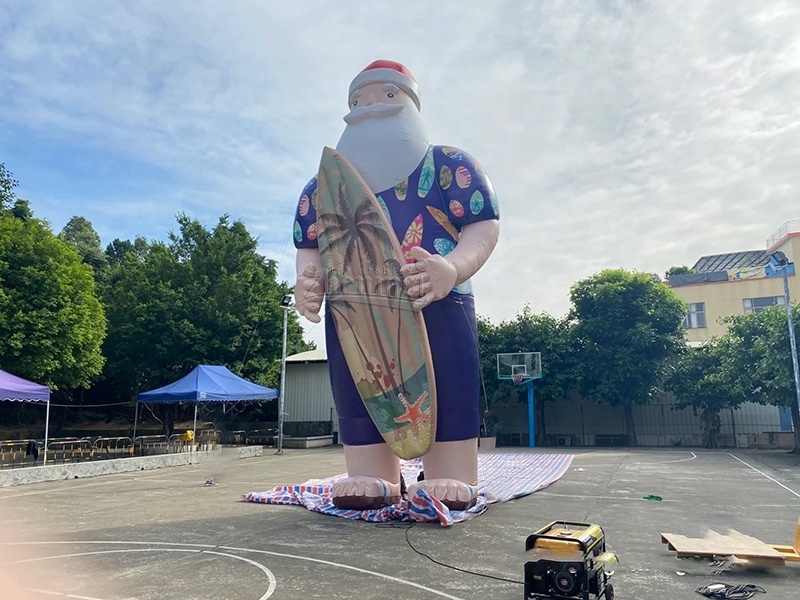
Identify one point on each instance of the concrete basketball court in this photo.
(164, 534)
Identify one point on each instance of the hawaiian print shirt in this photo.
(448, 190)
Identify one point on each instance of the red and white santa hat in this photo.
(387, 71)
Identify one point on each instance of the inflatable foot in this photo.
(454, 494)
(365, 493)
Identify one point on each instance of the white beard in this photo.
(385, 149)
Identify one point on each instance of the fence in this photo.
(30, 453)
(583, 423)
(17, 453)
(782, 231)
(261, 437)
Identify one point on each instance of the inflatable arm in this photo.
(309, 290)
(432, 276)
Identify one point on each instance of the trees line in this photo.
(622, 343)
(101, 325)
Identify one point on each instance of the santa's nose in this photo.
(369, 97)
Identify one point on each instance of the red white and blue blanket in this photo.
(501, 476)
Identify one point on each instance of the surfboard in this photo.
(383, 339)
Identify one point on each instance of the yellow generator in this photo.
(568, 561)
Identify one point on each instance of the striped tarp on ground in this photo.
(502, 476)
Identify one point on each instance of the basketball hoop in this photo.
(519, 367)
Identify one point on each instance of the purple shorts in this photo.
(453, 336)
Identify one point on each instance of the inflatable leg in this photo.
(451, 473)
(373, 478)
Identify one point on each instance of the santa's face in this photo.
(375, 101)
(385, 138)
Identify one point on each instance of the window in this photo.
(756, 305)
(696, 317)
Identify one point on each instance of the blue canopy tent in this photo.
(206, 383)
(17, 389)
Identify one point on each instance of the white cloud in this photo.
(629, 134)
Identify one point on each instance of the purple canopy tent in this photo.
(17, 389)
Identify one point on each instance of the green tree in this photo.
(531, 332)
(207, 297)
(628, 328)
(759, 359)
(493, 390)
(682, 270)
(51, 322)
(144, 346)
(117, 249)
(21, 210)
(700, 382)
(79, 232)
(233, 295)
(7, 186)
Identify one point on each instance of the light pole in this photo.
(286, 305)
(779, 259)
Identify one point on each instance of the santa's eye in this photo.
(390, 95)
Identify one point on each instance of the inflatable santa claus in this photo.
(443, 210)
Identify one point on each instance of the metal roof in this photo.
(318, 355)
(731, 260)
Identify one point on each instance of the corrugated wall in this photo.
(308, 395)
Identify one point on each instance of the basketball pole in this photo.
(531, 416)
(522, 367)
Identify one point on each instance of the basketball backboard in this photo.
(519, 366)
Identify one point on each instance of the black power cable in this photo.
(723, 591)
(407, 526)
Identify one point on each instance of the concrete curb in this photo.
(101, 467)
(251, 451)
(313, 441)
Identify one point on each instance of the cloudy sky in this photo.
(618, 133)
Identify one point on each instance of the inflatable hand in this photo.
(309, 290)
(430, 277)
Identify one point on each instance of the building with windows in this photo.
(722, 285)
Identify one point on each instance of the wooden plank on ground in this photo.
(788, 552)
(796, 544)
(713, 544)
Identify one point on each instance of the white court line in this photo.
(51, 593)
(629, 455)
(349, 567)
(280, 554)
(54, 490)
(267, 572)
(664, 462)
(127, 476)
(636, 464)
(765, 475)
